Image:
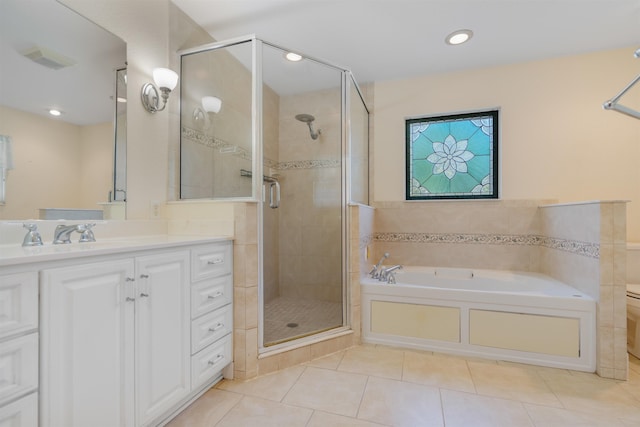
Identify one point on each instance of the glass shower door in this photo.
(302, 237)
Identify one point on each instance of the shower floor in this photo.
(308, 316)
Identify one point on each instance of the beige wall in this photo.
(56, 164)
(556, 140)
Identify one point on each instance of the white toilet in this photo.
(633, 299)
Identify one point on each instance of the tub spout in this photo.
(387, 274)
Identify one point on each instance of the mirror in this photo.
(54, 58)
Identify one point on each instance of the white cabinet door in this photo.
(87, 345)
(162, 333)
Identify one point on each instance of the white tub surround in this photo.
(521, 317)
(133, 329)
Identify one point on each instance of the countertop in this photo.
(15, 254)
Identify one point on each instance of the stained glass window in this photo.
(453, 156)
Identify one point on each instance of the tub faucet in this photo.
(387, 274)
(375, 273)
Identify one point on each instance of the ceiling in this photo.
(395, 39)
(376, 39)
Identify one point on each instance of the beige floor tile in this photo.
(324, 419)
(632, 385)
(207, 410)
(596, 395)
(272, 386)
(545, 416)
(377, 361)
(327, 390)
(512, 382)
(466, 409)
(400, 404)
(330, 361)
(634, 363)
(438, 371)
(252, 411)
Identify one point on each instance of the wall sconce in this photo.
(166, 80)
(210, 104)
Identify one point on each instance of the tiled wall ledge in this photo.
(591, 250)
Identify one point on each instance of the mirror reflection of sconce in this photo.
(166, 80)
(210, 104)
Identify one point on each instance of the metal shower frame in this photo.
(347, 80)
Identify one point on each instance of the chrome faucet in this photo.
(375, 273)
(387, 275)
(62, 234)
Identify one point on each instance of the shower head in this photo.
(308, 119)
(305, 118)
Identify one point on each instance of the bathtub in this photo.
(502, 315)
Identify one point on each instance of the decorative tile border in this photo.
(201, 138)
(309, 164)
(591, 250)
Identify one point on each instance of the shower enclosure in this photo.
(291, 136)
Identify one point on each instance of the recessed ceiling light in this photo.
(458, 37)
(55, 112)
(293, 57)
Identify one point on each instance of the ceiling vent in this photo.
(48, 58)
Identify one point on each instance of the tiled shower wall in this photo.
(309, 171)
(581, 244)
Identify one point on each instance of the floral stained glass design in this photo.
(453, 156)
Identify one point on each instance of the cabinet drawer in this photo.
(18, 303)
(209, 362)
(210, 328)
(18, 367)
(23, 412)
(211, 261)
(209, 294)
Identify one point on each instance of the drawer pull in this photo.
(216, 295)
(144, 276)
(130, 299)
(129, 279)
(215, 261)
(142, 294)
(215, 328)
(216, 360)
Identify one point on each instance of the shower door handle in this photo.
(274, 195)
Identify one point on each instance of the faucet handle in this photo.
(86, 233)
(33, 237)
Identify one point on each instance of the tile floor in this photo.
(371, 385)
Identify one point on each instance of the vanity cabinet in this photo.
(117, 334)
(19, 349)
(122, 333)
